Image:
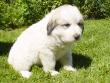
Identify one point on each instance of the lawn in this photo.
(91, 57)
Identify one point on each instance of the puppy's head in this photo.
(66, 23)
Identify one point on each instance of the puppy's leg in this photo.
(48, 62)
(23, 69)
(26, 74)
(66, 61)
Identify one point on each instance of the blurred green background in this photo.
(17, 13)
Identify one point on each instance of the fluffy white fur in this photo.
(47, 41)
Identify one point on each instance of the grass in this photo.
(91, 57)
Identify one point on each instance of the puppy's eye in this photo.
(80, 24)
(67, 25)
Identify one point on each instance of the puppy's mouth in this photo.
(71, 39)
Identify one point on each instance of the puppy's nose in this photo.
(77, 37)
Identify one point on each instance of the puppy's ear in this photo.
(50, 26)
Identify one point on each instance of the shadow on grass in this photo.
(4, 48)
(79, 61)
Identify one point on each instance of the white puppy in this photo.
(47, 41)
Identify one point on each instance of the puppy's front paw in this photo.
(69, 68)
(26, 74)
(54, 73)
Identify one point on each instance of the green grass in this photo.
(91, 57)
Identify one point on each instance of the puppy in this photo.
(48, 41)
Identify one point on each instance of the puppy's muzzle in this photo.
(77, 37)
